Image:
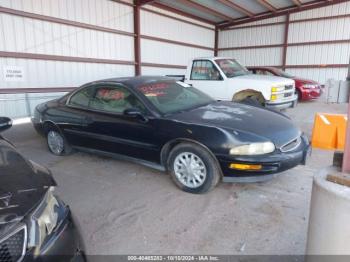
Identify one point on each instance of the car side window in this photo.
(114, 100)
(82, 97)
(204, 70)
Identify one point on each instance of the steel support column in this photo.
(216, 41)
(346, 158)
(137, 38)
(285, 42)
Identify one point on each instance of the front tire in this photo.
(252, 101)
(193, 168)
(57, 143)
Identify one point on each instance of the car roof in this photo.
(136, 80)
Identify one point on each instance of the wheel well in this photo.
(248, 93)
(48, 125)
(166, 149)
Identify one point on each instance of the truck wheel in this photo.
(252, 101)
(57, 143)
(193, 169)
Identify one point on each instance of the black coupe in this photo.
(167, 124)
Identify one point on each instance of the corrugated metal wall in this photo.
(161, 52)
(266, 35)
(308, 55)
(32, 35)
(26, 35)
(321, 54)
(168, 42)
(95, 12)
(257, 56)
(254, 36)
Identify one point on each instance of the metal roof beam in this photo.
(237, 7)
(279, 12)
(144, 2)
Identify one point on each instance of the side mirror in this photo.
(5, 123)
(136, 113)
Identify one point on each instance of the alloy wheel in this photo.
(55, 142)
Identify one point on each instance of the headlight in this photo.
(45, 219)
(309, 86)
(276, 89)
(253, 149)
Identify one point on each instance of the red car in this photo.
(305, 88)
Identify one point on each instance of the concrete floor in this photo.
(126, 208)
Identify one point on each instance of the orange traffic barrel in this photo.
(329, 131)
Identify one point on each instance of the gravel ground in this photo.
(126, 208)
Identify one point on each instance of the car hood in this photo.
(259, 123)
(269, 80)
(23, 184)
(305, 81)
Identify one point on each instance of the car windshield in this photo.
(172, 97)
(231, 67)
(284, 74)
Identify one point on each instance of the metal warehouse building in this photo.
(52, 46)
(170, 130)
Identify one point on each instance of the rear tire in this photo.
(193, 168)
(56, 142)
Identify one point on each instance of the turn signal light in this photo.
(276, 89)
(245, 166)
(273, 97)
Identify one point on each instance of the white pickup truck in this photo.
(226, 79)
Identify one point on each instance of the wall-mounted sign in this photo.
(13, 73)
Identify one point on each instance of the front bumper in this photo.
(272, 164)
(312, 93)
(282, 105)
(65, 244)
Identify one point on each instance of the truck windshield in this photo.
(171, 97)
(231, 67)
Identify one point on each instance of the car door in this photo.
(110, 130)
(206, 77)
(76, 114)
